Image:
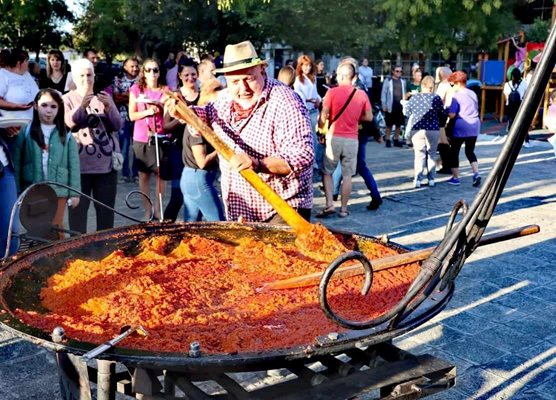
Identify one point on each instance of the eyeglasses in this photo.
(399, 71)
(153, 70)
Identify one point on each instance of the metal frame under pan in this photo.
(22, 277)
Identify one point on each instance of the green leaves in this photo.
(33, 24)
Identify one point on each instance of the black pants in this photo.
(101, 187)
(455, 145)
(445, 155)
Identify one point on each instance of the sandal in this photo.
(326, 212)
(343, 214)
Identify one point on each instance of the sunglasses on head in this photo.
(153, 70)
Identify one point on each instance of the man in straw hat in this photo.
(268, 127)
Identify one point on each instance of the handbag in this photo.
(117, 161)
(328, 123)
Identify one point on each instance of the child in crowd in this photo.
(45, 151)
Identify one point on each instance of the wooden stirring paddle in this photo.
(381, 264)
(314, 241)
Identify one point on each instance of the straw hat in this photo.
(240, 56)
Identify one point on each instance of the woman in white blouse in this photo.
(305, 86)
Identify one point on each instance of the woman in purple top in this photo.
(464, 109)
(94, 121)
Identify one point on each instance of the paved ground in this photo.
(500, 327)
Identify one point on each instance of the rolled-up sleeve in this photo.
(294, 136)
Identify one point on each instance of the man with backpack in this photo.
(514, 91)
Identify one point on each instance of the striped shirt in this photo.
(279, 126)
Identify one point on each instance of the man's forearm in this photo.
(273, 165)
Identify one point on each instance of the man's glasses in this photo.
(153, 70)
(399, 71)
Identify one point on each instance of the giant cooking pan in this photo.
(23, 276)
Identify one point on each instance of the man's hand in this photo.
(242, 161)
(170, 105)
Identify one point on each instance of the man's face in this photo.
(132, 68)
(397, 73)
(365, 62)
(246, 85)
(93, 57)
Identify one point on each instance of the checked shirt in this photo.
(278, 127)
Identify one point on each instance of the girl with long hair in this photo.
(146, 109)
(189, 92)
(305, 86)
(44, 151)
(200, 161)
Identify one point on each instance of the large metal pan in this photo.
(23, 277)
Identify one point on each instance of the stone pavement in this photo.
(499, 328)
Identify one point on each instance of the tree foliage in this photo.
(33, 24)
(147, 28)
(322, 26)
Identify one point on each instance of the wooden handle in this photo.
(397, 260)
(284, 210)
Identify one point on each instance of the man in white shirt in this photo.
(366, 76)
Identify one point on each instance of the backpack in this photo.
(514, 99)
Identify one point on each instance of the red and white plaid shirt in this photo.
(279, 126)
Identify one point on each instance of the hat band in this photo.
(244, 61)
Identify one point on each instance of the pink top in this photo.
(144, 125)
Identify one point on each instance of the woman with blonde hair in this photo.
(286, 75)
(425, 111)
(305, 86)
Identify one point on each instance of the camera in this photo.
(163, 141)
(92, 120)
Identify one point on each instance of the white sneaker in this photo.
(431, 182)
(416, 184)
(527, 145)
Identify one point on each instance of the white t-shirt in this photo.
(20, 89)
(443, 90)
(509, 86)
(307, 90)
(46, 131)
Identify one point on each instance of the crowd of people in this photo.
(90, 130)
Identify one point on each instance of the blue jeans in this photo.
(318, 148)
(8, 197)
(124, 137)
(200, 196)
(362, 169)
